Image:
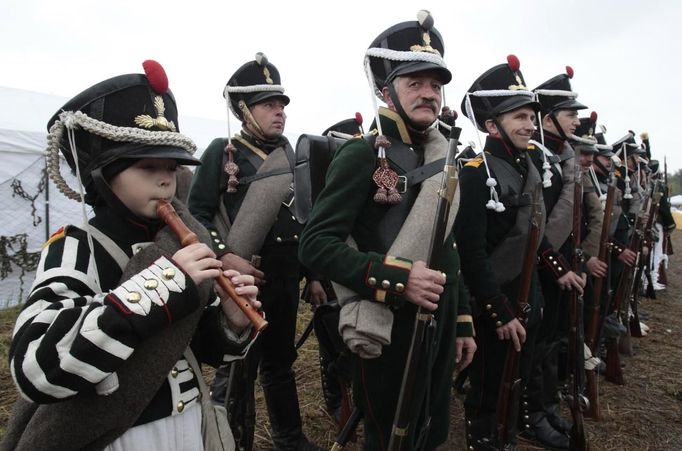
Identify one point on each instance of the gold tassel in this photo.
(384, 177)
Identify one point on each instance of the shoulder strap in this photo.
(110, 246)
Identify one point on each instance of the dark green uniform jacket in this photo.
(345, 207)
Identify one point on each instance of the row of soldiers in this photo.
(122, 310)
(538, 155)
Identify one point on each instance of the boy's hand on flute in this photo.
(198, 261)
(244, 286)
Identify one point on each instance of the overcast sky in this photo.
(626, 54)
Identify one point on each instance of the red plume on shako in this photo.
(569, 71)
(513, 62)
(593, 117)
(156, 76)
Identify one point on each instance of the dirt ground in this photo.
(644, 414)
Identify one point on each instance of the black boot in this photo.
(281, 399)
(331, 388)
(558, 422)
(539, 430)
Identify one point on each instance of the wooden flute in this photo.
(167, 213)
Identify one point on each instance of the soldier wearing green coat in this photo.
(369, 232)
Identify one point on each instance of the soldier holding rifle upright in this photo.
(368, 232)
(491, 232)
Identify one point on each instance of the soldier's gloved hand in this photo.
(628, 257)
(466, 347)
(424, 286)
(513, 331)
(317, 294)
(596, 267)
(571, 280)
(232, 261)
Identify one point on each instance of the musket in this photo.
(424, 319)
(576, 339)
(614, 372)
(166, 212)
(510, 387)
(592, 329)
(654, 204)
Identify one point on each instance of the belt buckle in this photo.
(401, 186)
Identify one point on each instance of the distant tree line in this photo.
(675, 183)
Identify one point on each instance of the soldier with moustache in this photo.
(553, 156)
(491, 231)
(369, 231)
(243, 194)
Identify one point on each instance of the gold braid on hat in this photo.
(70, 120)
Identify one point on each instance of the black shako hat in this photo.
(131, 116)
(407, 48)
(583, 140)
(556, 94)
(351, 126)
(627, 146)
(499, 90)
(253, 82)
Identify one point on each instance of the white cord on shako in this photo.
(546, 167)
(494, 201)
(69, 121)
(393, 55)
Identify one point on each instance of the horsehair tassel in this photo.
(167, 213)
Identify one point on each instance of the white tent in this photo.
(31, 210)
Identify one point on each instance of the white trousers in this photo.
(174, 433)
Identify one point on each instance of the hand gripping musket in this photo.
(592, 329)
(576, 337)
(167, 213)
(423, 319)
(510, 387)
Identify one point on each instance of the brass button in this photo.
(454, 245)
(399, 287)
(168, 273)
(498, 324)
(278, 239)
(174, 372)
(133, 297)
(385, 284)
(372, 281)
(488, 307)
(493, 315)
(295, 237)
(221, 246)
(214, 233)
(560, 268)
(151, 284)
(216, 240)
(181, 406)
(293, 218)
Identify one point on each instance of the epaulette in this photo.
(58, 235)
(476, 162)
(531, 146)
(617, 172)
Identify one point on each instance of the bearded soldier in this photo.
(369, 233)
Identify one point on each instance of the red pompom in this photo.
(156, 76)
(569, 71)
(513, 62)
(593, 117)
(358, 118)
